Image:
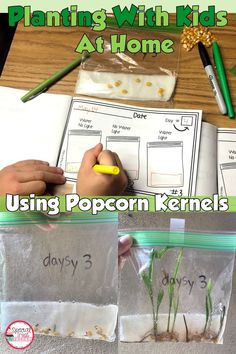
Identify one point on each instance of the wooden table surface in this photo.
(36, 53)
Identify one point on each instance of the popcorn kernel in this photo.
(118, 83)
(192, 35)
(56, 334)
(148, 84)
(71, 334)
(89, 333)
(124, 92)
(45, 330)
(161, 92)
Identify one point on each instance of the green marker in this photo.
(223, 79)
(52, 79)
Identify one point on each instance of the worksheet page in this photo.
(207, 172)
(31, 130)
(157, 147)
(227, 162)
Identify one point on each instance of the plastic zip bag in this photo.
(131, 76)
(62, 280)
(176, 294)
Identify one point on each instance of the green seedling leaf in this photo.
(209, 291)
(171, 287)
(175, 307)
(147, 281)
(171, 295)
(161, 253)
(209, 311)
(207, 314)
(209, 286)
(151, 265)
(178, 262)
(209, 305)
(159, 299)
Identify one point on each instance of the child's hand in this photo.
(30, 176)
(91, 183)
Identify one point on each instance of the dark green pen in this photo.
(53, 79)
(223, 79)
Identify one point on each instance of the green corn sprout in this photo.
(171, 292)
(159, 299)
(161, 253)
(148, 280)
(175, 307)
(209, 306)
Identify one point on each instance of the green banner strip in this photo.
(92, 5)
(156, 238)
(20, 218)
(96, 205)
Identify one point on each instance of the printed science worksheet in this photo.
(157, 147)
(226, 161)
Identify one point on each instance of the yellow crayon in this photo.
(108, 170)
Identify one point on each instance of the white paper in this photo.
(126, 86)
(130, 131)
(137, 328)
(31, 130)
(79, 320)
(227, 162)
(207, 171)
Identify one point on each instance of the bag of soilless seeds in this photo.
(132, 66)
(176, 287)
